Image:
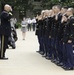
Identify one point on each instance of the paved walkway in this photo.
(25, 61)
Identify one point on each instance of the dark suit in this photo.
(5, 31)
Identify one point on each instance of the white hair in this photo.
(6, 5)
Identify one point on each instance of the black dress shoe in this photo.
(68, 68)
(48, 58)
(57, 62)
(42, 53)
(3, 58)
(53, 60)
(60, 64)
(63, 66)
(38, 51)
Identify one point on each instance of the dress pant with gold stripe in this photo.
(4, 43)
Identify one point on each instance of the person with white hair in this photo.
(5, 29)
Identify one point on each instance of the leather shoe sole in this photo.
(3, 58)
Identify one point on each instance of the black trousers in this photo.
(41, 43)
(4, 43)
(29, 27)
(34, 26)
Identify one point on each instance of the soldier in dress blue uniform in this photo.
(68, 40)
(60, 34)
(48, 33)
(39, 33)
(54, 31)
(59, 44)
(45, 32)
(5, 29)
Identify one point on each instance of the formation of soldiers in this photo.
(55, 32)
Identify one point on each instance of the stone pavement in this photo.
(25, 61)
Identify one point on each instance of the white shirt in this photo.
(29, 21)
(24, 23)
(33, 20)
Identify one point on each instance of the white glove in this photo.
(10, 13)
